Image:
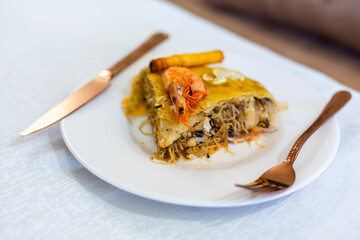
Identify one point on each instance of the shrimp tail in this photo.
(198, 95)
(194, 97)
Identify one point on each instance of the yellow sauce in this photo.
(134, 104)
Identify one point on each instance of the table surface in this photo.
(45, 193)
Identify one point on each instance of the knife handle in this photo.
(137, 53)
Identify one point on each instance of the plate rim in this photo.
(175, 201)
(192, 203)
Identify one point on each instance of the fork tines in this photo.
(263, 184)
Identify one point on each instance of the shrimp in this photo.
(185, 89)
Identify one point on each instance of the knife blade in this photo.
(93, 88)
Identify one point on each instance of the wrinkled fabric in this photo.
(45, 193)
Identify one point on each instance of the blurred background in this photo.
(322, 34)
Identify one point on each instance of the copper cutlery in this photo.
(282, 176)
(93, 88)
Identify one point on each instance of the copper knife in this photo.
(93, 88)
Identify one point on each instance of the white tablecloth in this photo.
(47, 48)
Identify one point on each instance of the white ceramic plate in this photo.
(102, 139)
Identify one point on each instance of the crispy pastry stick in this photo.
(186, 60)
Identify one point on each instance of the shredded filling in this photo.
(229, 122)
(232, 121)
(235, 120)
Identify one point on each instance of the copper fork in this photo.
(282, 176)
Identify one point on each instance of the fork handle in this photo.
(334, 105)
